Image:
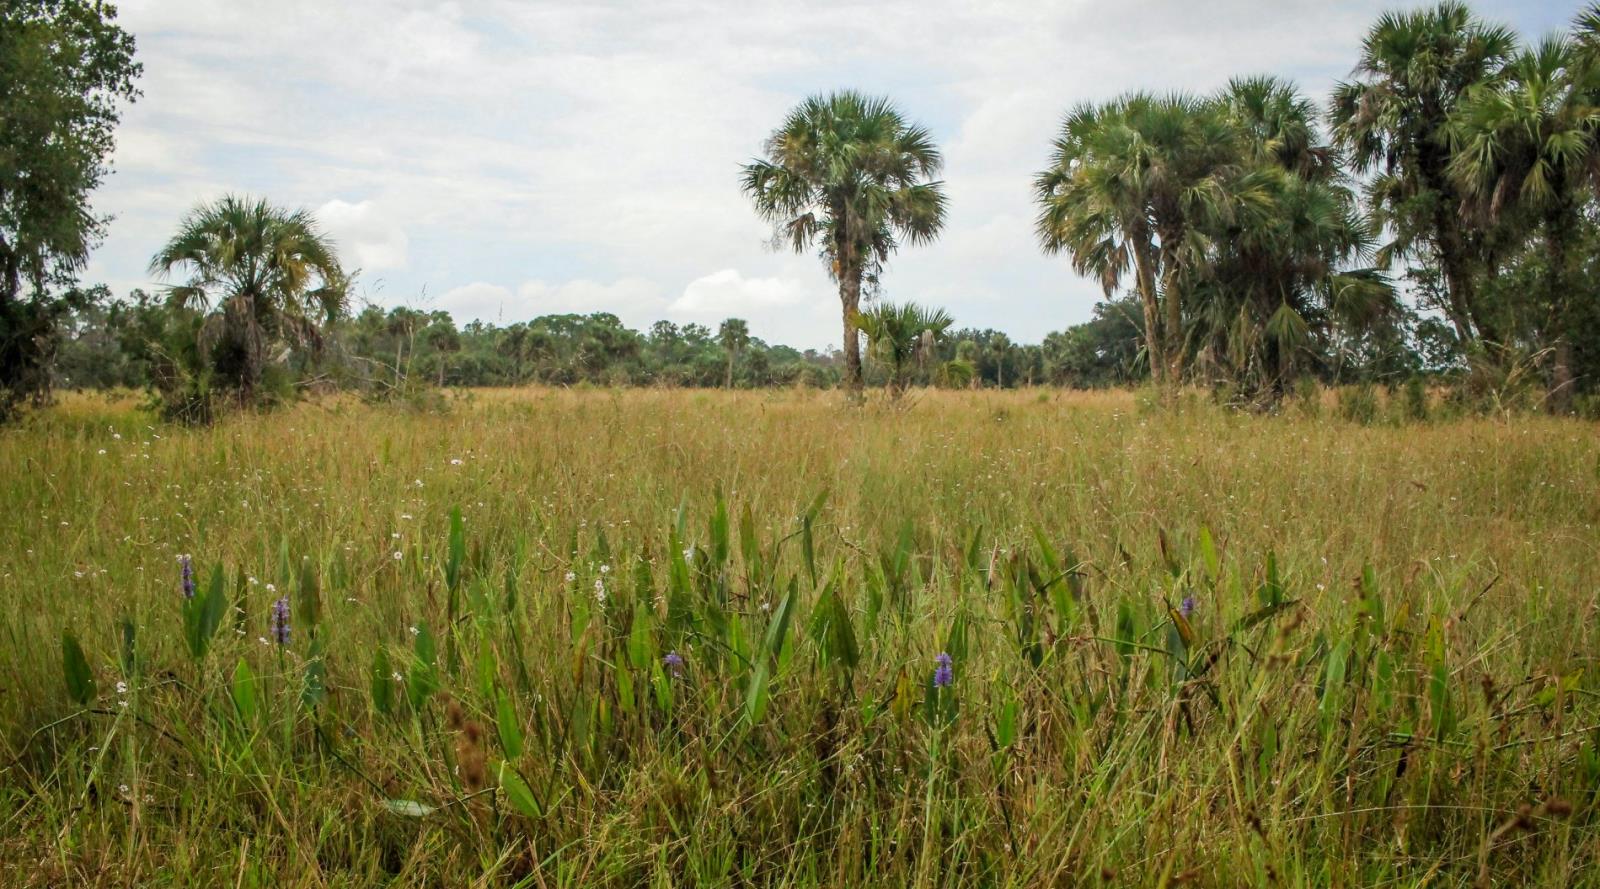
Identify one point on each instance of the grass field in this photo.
(681, 639)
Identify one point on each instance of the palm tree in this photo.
(1392, 120)
(734, 335)
(1277, 274)
(957, 373)
(1527, 146)
(967, 354)
(901, 336)
(1000, 346)
(1138, 182)
(267, 275)
(849, 173)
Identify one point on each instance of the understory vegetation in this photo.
(629, 638)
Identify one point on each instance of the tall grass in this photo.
(656, 638)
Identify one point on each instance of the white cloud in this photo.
(367, 237)
(728, 293)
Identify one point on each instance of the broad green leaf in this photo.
(640, 651)
(1047, 553)
(128, 654)
(831, 628)
(719, 532)
(749, 549)
(75, 669)
(1444, 718)
(1383, 682)
(244, 691)
(509, 727)
(308, 604)
(214, 610)
(382, 682)
(1208, 555)
(624, 687)
(488, 671)
(423, 679)
(517, 792)
(1005, 733)
(779, 627)
(458, 549)
(756, 695)
(1333, 679)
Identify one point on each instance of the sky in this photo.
(502, 160)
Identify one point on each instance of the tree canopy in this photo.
(66, 71)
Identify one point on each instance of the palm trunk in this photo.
(1172, 327)
(1144, 267)
(1458, 289)
(850, 297)
(252, 343)
(1561, 381)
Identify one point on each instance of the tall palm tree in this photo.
(1277, 275)
(1137, 183)
(1094, 205)
(1527, 146)
(849, 174)
(1000, 346)
(1392, 120)
(734, 335)
(900, 336)
(268, 276)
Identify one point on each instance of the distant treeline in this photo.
(129, 343)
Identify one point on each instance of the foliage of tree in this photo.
(1393, 121)
(66, 71)
(1524, 155)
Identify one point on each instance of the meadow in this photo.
(662, 638)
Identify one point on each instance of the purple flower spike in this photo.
(944, 674)
(188, 576)
(1186, 607)
(674, 662)
(280, 621)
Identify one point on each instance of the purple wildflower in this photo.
(945, 673)
(280, 620)
(188, 576)
(1186, 607)
(674, 662)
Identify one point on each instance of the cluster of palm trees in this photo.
(1248, 231)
